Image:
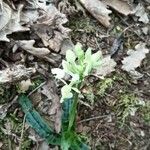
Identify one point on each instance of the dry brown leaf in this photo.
(131, 62)
(119, 5)
(27, 45)
(98, 10)
(49, 90)
(10, 21)
(49, 27)
(15, 73)
(106, 67)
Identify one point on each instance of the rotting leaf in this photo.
(10, 21)
(15, 73)
(117, 4)
(131, 62)
(27, 45)
(98, 10)
(49, 90)
(49, 27)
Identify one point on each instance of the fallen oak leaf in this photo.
(141, 13)
(133, 61)
(98, 10)
(107, 66)
(5, 11)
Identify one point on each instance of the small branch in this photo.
(93, 118)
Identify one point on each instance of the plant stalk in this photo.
(73, 111)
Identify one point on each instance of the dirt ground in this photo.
(114, 113)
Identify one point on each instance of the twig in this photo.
(36, 88)
(93, 118)
(22, 131)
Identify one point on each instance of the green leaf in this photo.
(96, 56)
(66, 107)
(87, 69)
(96, 59)
(37, 122)
(79, 52)
(70, 56)
(69, 68)
(88, 55)
(66, 66)
(71, 141)
(66, 92)
(80, 69)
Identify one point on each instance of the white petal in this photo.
(59, 72)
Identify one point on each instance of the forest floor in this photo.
(114, 113)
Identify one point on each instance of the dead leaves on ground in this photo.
(100, 9)
(122, 6)
(129, 63)
(133, 61)
(27, 45)
(107, 66)
(10, 21)
(45, 23)
(43, 20)
(53, 108)
(141, 13)
(15, 73)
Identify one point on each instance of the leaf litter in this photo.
(141, 13)
(28, 45)
(10, 21)
(133, 61)
(15, 73)
(49, 36)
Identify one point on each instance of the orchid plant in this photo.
(78, 65)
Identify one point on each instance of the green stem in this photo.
(73, 111)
